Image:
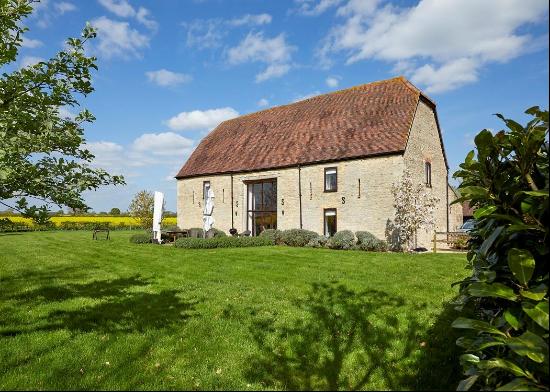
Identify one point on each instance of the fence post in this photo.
(435, 241)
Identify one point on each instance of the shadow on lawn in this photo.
(96, 289)
(438, 367)
(343, 340)
(122, 309)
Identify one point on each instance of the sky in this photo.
(171, 70)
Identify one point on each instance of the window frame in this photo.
(325, 231)
(250, 212)
(428, 173)
(325, 179)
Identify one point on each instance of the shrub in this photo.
(222, 242)
(507, 184)
(318, 242)
(218, 233)
(297, 237)
(273, 234)
(369, 242)
(344, 239)
(140, 238)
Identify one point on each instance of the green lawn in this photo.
(83, 314)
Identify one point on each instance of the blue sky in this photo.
(170, 70)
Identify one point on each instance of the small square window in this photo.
(329, 222)
(331, 179)
(428, 171)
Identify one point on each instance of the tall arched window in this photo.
(428, 172)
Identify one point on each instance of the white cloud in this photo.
(209, 33)
(63, 7)
(205, 33)
(31, 43)
(251, 20)
(275, 52)
(119, 7)
(315, 7)
(118, 39)
(449, 76)
(124, 9)
(263, 102)
(273, 71)
(167, 143)
(66, 112)
(27, 61)
(201, 119)
(434, 38)
(45, 13)
(165, 78)
(332, 81)
(143, 16)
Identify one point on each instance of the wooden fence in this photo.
(455, 240)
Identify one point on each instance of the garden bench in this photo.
(101, 230)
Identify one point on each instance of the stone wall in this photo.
(424, 146)
(363, 199)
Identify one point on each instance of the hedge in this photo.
(222, 242)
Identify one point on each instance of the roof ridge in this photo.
(395, 78)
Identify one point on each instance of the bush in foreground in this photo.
(222, 242)
(344, 239)
(297, 237)
(369, 242)
(140, 239)
(506, 182)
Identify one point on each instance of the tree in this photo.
(141, 208)
(414, 208)
(505, 300)
(42, 152)
(114, 211)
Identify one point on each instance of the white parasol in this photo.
(157, 215)
(207, 218)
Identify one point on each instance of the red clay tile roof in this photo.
(366, 120)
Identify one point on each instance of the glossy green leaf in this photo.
(538, 313)
(497, 290)
(504, 364)
(519, 384)
(522, 264)
(529, 345)
(467, 323)
(484, 211)
(512, 319)
(535, 293)
(539, 193)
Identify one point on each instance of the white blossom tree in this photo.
(414, 209)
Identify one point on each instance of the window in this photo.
(262, 205)
(331, 179)
(205, 188)
(330, 221)
(428, 171)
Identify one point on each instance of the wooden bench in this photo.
(101, 230)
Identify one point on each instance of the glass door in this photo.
(262, 206)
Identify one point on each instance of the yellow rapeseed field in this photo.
(92, 219)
